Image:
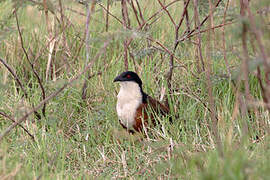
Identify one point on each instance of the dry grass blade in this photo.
(89, 65)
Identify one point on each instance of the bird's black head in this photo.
(128, 76)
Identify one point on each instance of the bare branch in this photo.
(126, 24)
(14, 76)
(168, 13)
(199, 49)
(107, 15)
(13, 120)
(202, 23)
(89, 65)
(32, 66)
(87, 37)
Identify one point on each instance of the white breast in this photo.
(129, 99)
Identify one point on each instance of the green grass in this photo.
(84, 140)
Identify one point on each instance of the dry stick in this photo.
(87, 37)
(52, 43)
(107, 10)
(205, 30)
(199, 48)
(258, 37)
(187, 18)
(140, 11)
(245, 50)
(32, 67)
(107, 15)
(65, 44)
(14, 76)
(47, 46)
(144, 22)
(169, 52)
(176, 43)
(13, 120)
(89, 65)
(168, 13)
(136, 13)
(158, 12)
(184, 36)
(265, 99)
(18, 81)
(126, 24)
(224, 40)
(213, 116)
(88, 16)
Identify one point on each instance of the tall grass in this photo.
(81, 138)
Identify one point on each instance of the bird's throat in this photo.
(129, 99)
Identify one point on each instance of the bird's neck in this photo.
(130, 91)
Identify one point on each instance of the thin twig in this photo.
(89, 65)
(107, 15)
(176, 43)
(168, 13)
(213, 116)
(135, 12)
(14, 76)
(224, 40)
(87, 37)
(31, 64)
(199, 49)
(202, 23)
(140, 11)
(158, 12)
(107, 10)
(13, 120)
(126, 25)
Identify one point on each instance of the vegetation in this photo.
(207, 60)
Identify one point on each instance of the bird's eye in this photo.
(128, 76)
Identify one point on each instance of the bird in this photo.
(134, 107)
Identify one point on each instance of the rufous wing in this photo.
(145, 112)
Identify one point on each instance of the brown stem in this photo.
(245, 50)
(107, 15)
(87, 37)
(158, 12)
(32, 67)
(187, 18)
(13, 120)
(199, 49)
(126, 25)
(135, 13)
(14, 76)
(89, 65)
(214, 120)
(168, 13)
(224, 40)
(140, 11)
(176, 43)
(202, 23)
(107, 11)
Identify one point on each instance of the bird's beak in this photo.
(118, 78)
